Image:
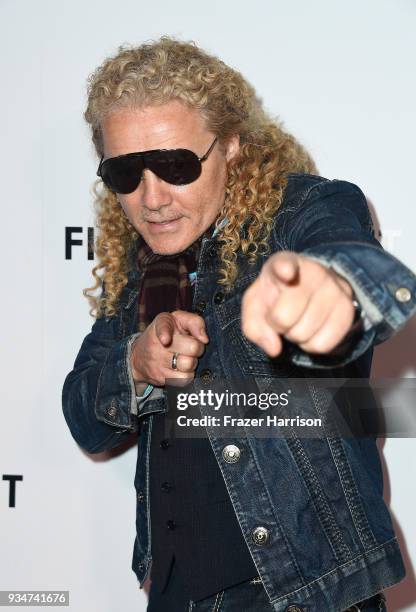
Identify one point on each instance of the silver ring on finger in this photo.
(175, 361)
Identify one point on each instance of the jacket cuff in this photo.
(116, 402)
(150, 398)
(150, 393)
(384, 287)
(145, 394)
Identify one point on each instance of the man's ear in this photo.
(232, 147)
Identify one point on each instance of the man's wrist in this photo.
(140, 387)
(144, 393)
(137, 377)
(357, 327)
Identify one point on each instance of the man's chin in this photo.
(167, 246)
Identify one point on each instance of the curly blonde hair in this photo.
(160, 71)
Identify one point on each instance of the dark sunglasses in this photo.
(123, 173)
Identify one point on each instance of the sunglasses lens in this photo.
(178, 167)
(123, 174)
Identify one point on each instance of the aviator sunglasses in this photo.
(123, 173)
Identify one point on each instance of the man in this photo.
(224, 258)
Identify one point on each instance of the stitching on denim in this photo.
(325, 515)
(319, 500)
(133, 401)
(217, 602)
(133, 294)
(346, 477)
(336, 569)
(98, 392)
(358, 515)
(276, 518)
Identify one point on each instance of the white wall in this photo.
(340, 75)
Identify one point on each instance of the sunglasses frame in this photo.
(143, 154)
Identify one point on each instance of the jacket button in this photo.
(200, 307)
(112, 411)
(171, 525)
(294, 609)
(231, 453)
(219, 297)
(166, 486)
(206, 375)
(403, 294)
(260, 535)
(165, 444)
(140, 567)
(140, 496)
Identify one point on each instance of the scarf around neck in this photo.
(165, 284)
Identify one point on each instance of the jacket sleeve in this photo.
(332, 225)
(98, 396)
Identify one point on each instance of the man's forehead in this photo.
(166, 126)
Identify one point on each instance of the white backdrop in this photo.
(340, 75)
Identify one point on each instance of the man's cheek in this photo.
(180, 188)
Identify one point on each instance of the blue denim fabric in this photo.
(248, 596)
(330, 537)
(251, 597)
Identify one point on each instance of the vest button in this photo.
(165, 444)
(140, 496)
(260, 535)
(231, 453)
(403, 294)
(219, 297)
(206, 375)
(200, 307)
(166, 486)
(140, 567)
(171, 525)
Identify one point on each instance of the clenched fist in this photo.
(300, 299)
(178, 332)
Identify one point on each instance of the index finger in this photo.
(284, 266)
(254, 323)
(190, 322)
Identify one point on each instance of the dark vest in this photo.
(192, 518)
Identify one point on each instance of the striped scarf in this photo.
(165, 284)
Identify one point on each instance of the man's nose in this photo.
(155, 191)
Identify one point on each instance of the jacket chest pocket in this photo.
(251, 359)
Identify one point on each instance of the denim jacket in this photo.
(311, 510)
